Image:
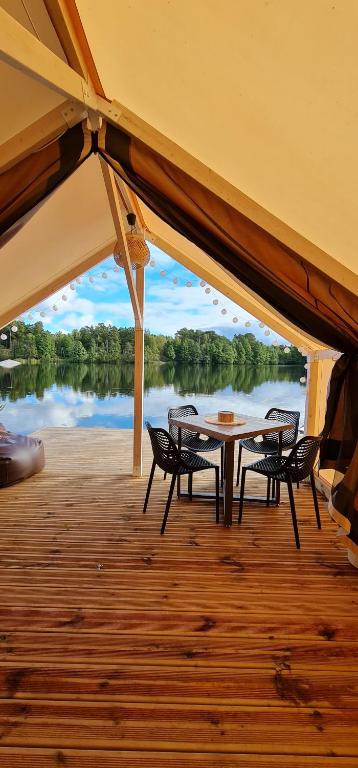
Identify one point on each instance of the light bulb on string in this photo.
(104, 275)
(55, 307)
(261, 325)
(286, 350)
(306, 366)
(247, 324)
(14, 328)
(202, 283)
(235, 319)
(72, 286)
(215, 302)
(189, 284)
(267, 332)
(91, 279)
(64, 297)
(224, 311)
(78, 280)
(208, 290)
(115, 269)
(3, 337)
(152, 263)
(275, 343)
(303, 380)
(42, 314)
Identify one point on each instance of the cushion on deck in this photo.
(20, 457)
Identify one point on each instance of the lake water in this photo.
(90, 395)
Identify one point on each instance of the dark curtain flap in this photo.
(24, 186)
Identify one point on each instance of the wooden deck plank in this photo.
(204, 648)
(17, 757)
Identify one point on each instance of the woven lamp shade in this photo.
(138, 251)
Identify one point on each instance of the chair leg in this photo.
(238, 465)
(293, 511)
(190, 486)
(222, 465)
(167, 507)
(149, 486)
(268, 492)
(242, 489)
(273, 490)
(315, 501)
(217, 494)
(165, 475)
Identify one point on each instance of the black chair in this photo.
(167, 456)
(286, 469)
(268, 446)
(192, 440)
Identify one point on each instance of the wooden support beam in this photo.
(40, 132)
(22, 50)
(138, 381)
(115, 207)
(207, 269)
(120, 115)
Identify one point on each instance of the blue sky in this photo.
(168, 305)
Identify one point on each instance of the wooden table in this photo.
(229, 433)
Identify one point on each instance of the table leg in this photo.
(228, 481)
(278, 484)
(179, 449)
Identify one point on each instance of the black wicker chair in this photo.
(268, 446)
(192, 440)
(287, 469)
(167, 456)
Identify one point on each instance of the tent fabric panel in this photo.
(263, 93)
(339, 450)
(70, 233)
(25, 185)
(297, 289)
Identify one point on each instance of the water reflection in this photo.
(102, 395)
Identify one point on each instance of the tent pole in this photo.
(138, 380)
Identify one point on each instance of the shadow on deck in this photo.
(205, 647)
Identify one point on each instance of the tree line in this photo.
(108, 344)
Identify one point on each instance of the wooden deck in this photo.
(206, 648)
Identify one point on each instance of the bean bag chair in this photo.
(20, 457)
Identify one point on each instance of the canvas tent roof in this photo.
(230, 112)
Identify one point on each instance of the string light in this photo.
(3, 337)
(224, 311)
(215, 302)
(261, 325)
(14, 328)
(286, 350)
(302, 380)
(267, 332)
(202, 283)
(55, 307)
(189, 284)
(104, 275)
(163, 273)
(91, 279)
(152, 263)
(208, 290)
(247, 324)
(42, 314)
(78, 280)
(235, 319)
(64, 297)
(72, 286)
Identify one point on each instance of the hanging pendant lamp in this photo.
(138, 250)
